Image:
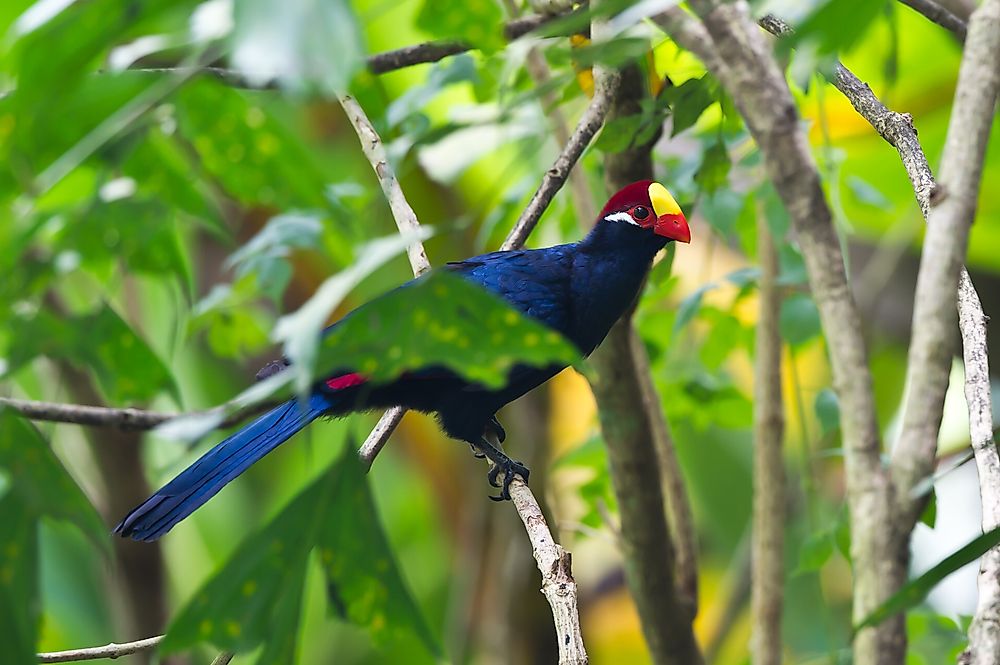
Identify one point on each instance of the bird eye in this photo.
(640, 212)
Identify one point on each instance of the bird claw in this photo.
(478, 454)
(509, 468)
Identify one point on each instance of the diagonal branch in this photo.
(936, 13)
(951, 216)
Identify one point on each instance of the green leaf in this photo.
(688, 101)
(442, 320)
(303, 44)
(39, 479)
(255, 597)
(690, 306)
(714, 168)
(827, 409)
(266, 254)
(799, 319)
(866, 193)
(234, 324)
(914, 591)
(126, 368)
(475, 22)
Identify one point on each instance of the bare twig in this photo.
(768, 464)
(742, 60)
(935, 13)
(125, 419)
(984, 633)
(96, 653)
(555, 564)
(380, 434)
(223, 658)
(402, 212)
(951, 215)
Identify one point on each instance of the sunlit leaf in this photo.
(688, 101)
(445, 321)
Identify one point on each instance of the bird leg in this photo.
(496, 429)
(500, 463)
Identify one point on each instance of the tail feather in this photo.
(213, 470)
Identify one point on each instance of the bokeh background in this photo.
(155, 225)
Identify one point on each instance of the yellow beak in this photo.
(670, 220)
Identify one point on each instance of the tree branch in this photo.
(984, 633)
(742, 61)
(111, 650)
(938, 14)
(768, 536)
(124, 419)
(944, 247)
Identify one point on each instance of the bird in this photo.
(578, 289)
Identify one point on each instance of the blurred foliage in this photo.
(158, 225)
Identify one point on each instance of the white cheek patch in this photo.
(621, 217)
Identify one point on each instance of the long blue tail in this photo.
(202, 480)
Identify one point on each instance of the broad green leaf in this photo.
(914, 591)
(126, 368)
(38, 477)
(798, 321)
(441, 320)
(475, 22)
(364, 582)
(234, 325)
(255, 597)
(302, 44)
(238, 142)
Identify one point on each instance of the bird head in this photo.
(647, 205)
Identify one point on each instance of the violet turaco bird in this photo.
(578, 289)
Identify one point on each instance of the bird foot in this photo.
(501, 464)
(477, 453)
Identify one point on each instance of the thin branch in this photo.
(742, 61)
(124, 419)
(935, 13)
(555, 564)
(96, 653)
(605, 85)
(379, 63)
(223, 658)
(984, 632)
(402, 211)
(951, 215)
(768, 535)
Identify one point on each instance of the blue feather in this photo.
(213, 470)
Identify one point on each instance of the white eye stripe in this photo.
(621, 217)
